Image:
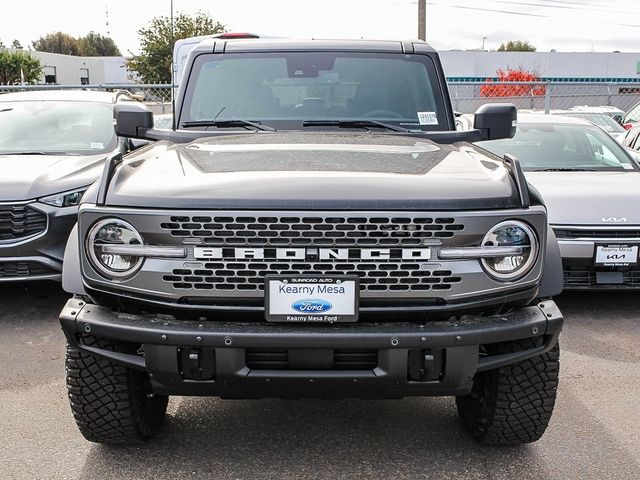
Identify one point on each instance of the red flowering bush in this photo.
(495, 90)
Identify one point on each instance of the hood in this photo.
(589, 198)
(26, 177)
(312, 171)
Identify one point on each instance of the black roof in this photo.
(292, 45)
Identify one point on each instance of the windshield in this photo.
(544, 146)
(605, 122)
(285, 89)
(56, 127)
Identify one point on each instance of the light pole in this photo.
(422, 19)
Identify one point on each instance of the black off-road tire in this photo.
(110, 403)
(512, 405)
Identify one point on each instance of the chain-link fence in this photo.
(156, 97)
(545, 96)
(466, 96)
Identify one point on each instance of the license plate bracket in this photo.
(616, 255)
(311, 298)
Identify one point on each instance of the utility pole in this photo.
(422, 19)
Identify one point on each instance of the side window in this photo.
(633, 115)
(635, 139)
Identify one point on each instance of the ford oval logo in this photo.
(311, 305)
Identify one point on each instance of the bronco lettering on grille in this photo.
(210, 253)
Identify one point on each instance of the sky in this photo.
(563, 25)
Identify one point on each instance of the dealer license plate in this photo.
(616, 255)
(311, 299)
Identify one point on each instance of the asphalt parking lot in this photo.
(595, 431)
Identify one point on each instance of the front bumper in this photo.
(39, 257)
(255, 360)
(580, 273)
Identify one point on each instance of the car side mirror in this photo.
(618, 118)
(496, 120)
(132, 120)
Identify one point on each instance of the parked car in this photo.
(631, 118)
(631, 139)
(315, 227)
(590, 185)
(53, 145)
(605, 122)
(608, 110)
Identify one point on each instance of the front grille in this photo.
(607, 233)
(20, 221)
(343, 359)
(589, 279)
(380, 276)
(321, 231)
(24, 270)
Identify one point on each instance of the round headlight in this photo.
(113, 231)
(511, 233)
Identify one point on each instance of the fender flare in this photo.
(71, 271)
(552, 278)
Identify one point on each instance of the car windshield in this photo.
(605, 122)
(56, 127)
(546, 146)
(283, 90)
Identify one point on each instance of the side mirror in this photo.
(618, 118)
(496, 120)
(132, 120)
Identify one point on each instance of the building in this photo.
(71, 70)
(590, 66)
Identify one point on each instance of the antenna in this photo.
(106, 13)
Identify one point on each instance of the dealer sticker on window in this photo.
(427, 118)
(311, 299)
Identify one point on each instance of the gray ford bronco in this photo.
(312, 226)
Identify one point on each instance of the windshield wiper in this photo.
(353, 124)
(36, 152)
(228, 124)
(560, 169)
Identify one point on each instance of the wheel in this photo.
(111, 404)
(512, 405)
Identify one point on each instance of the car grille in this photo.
(24, 270)
(20, 221)
(608, 233)
(343, 359)
(321, 231)
(588, 279)
(387, 276)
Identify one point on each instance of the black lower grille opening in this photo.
(267, 359)
(592, 278)
(343, 359)
(355, 359)
(24, 270)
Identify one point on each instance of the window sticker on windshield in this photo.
(97, 145)
(427, 118)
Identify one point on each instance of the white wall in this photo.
(101, 69)
(545, 64)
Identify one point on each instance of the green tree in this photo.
(95, 45)
(16, 44)
(516, 46)
(57, 42)
(153, 65)
(15, 66)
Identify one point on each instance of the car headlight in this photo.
(65, 199)
(113, 232)
(511, 233)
